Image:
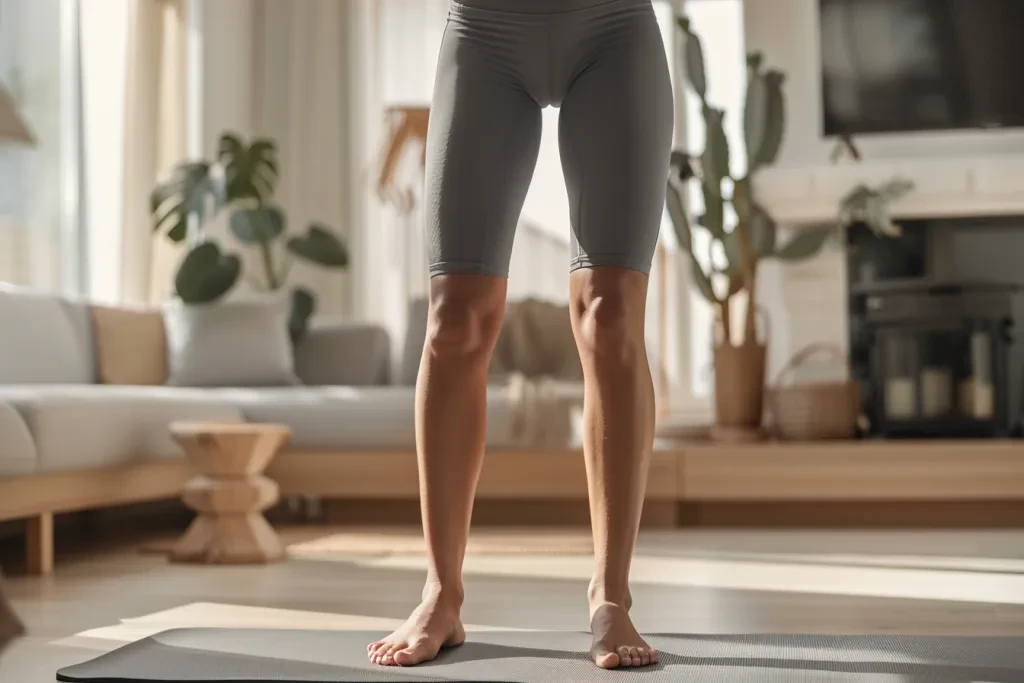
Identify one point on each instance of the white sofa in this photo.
(60, 428)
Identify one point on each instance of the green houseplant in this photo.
(737, 249)
(872, 206)
(881, 249)
(241, 180)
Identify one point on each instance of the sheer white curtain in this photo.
(39, 235)
(134, 129)
(303, 97)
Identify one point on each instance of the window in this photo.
(39, 185)
(719, 23)
(104, 38)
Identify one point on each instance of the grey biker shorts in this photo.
(603, 63)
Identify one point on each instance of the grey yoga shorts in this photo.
(603, 63)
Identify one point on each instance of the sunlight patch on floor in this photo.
(786, 577)
(217, 615)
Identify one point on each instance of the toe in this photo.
(624, 658)
(605, 658)
(634, 656)
(372, 647)
(645, 657)
(653, 654)
(416, 653)
(379, 651)
(389, 656)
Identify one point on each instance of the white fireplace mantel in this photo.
(944, 187)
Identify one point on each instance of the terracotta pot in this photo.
(739, 388)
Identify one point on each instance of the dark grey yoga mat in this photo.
(291, 656)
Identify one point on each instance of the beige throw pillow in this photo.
(131, 345)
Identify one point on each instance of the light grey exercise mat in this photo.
(291, 656)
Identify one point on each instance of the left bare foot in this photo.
(616, 641)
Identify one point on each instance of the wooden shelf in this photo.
(699, 471)
(853, 470)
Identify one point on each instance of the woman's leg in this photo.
(607, 307)
(482, 145)
(615, 135)
(451, 403)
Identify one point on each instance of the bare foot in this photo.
(433, 625)
(616, 641)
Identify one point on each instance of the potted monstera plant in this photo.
(737, 247)
(241, 180)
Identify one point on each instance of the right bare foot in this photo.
(435, 624)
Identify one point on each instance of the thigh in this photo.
(615, 138)
(482, 144)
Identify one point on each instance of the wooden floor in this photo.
(967, 582)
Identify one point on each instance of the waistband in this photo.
(539, 6)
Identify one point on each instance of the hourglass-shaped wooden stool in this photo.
(230, 492)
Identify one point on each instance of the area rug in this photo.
(293, 656)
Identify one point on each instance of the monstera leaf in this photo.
(182, 196)
(303, 306)
(257, 226)
(250, 170)
(206, 274)
(320, 246)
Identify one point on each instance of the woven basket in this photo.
(815, 410)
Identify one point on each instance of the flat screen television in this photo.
(921, 65)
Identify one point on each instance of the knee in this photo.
(607, 326)
(462, 326)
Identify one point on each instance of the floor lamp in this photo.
(13, 130)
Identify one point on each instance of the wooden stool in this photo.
(230, 493)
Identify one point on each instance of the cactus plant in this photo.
(754, 236)
(241, 180)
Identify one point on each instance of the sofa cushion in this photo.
(238, 343)
(415, 337)
(338, 353)
(17, 452)
(44, 339)
(92, 426)
(131, 345)
(332, 418)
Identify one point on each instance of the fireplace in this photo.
(934, 317)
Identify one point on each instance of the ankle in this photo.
(601, 593)
(447, 595)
